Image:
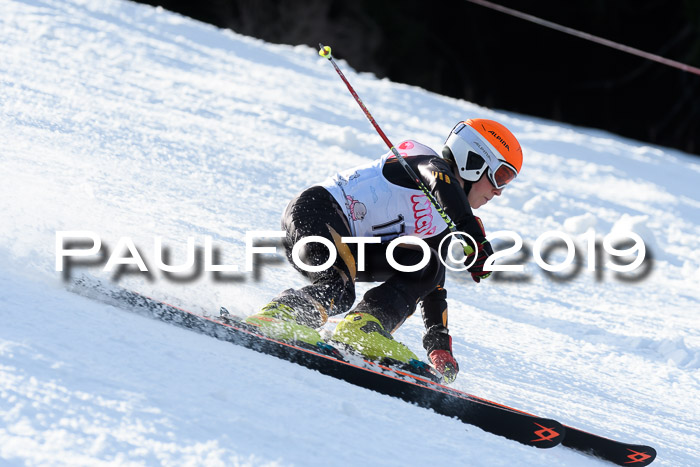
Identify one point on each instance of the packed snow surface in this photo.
(130, 121)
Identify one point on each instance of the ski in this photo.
(396, 382)
(616, 452)
(419, 385)
(610, 450)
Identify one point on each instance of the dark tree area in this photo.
(487, 57)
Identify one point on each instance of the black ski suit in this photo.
(315, 211)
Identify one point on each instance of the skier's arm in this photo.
(439, 178)
(436, 340)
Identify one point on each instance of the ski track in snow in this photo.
(135, 122)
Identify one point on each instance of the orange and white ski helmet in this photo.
(479, 146)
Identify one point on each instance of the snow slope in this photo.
(130, 121)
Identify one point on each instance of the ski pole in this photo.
(326, 53)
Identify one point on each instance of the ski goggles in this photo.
(502, 176)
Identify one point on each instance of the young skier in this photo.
(379, 199)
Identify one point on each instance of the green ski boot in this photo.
(364, 333)
(278, 321)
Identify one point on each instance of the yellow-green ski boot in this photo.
(278, 321)
(364, 334)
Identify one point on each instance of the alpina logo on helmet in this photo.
(503, 142)
(484, 152)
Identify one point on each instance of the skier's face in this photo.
(482, 192)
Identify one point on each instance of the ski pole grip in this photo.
(325, 51)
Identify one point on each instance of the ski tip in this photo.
(613, 451)
(637, 455)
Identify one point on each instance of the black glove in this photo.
(477, 269)
(438, 344)
(482, 253)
